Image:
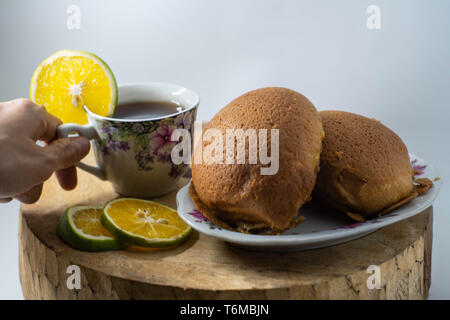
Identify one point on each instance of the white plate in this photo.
(322, 228)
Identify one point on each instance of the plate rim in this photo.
(329, 235)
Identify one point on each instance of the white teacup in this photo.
(135, 154)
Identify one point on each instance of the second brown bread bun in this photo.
(364, 166)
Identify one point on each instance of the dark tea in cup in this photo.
(146, 110)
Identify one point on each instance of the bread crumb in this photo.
(339, 154)
(356, 216)
(422, 185)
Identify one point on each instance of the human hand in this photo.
(24, 165)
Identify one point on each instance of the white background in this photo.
(221, 49)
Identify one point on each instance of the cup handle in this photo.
(89, 132)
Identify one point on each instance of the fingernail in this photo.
(82, 144)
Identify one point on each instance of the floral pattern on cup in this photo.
(149, 140)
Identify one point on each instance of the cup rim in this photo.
(131, 84)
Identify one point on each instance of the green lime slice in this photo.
(80, 227)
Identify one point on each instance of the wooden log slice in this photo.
(206, 268)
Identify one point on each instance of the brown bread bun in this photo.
(237, 196)
(364, 166)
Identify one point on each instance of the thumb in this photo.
(66, 152)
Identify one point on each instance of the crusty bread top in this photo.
(369, 149)
(240, 192)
